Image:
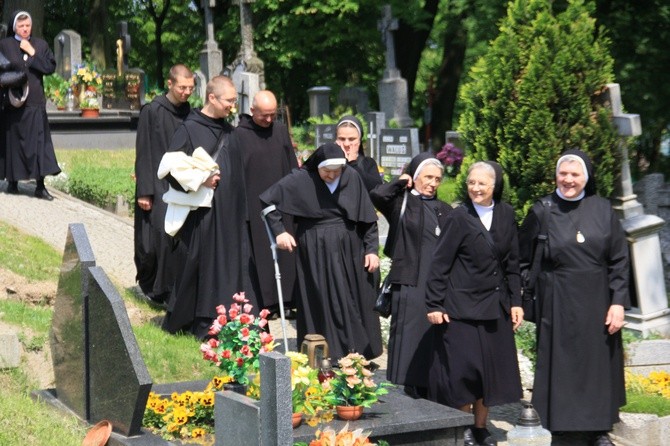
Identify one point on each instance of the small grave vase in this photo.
(349, 413)
(236, 387)
(90, 113)
(296, 419)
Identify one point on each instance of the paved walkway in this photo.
(111, 239)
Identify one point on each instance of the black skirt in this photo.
(474, 360)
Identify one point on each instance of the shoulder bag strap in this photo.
(539, 247)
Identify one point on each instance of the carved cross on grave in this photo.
(211, 58)
(387, 25)
(627, 125)
(124, 37)
(246, 28)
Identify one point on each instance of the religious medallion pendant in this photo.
(580, 237)
(437, 231)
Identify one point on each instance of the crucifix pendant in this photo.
(580, 237)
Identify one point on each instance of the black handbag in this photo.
(529, 276)
(383, 302)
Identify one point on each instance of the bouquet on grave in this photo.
(237, 338)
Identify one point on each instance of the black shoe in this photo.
(483, 437)
(602, 439)
(468, 437)
(13, 187)
(372, 366)
(43, 194)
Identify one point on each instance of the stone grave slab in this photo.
(644, 357)
(10, 351)
(325, 133)
(67, 335)
(119, 380)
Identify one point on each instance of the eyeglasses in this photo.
(232, 101)
(472, 183)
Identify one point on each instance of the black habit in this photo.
(267, 155)
(475, 354)
(215, 239)
(367, 169)
(410, 245)
(28, 150)
(156, 256)
(579, 380)
(334, 231)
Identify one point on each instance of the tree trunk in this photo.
(34, 7)
(98, 39)
(448, 80)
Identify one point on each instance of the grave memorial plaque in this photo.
(325, 133)
(397, 147)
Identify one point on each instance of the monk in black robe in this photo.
(215, 239)
(337, 244)
(156, 258)
(29, 152)
(582, 291)
(268, 155)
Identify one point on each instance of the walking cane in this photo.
(275, 258)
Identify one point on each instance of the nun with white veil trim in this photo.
(336, 242)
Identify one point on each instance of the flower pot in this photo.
(99, 434)
(236, 387)
(296, 419)
(349, 413)
(90, 113)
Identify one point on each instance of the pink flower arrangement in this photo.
(452, 157)
(237, 337)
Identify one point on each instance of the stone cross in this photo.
(650, 310)
(124, 37)
(246, 28)
(387, 25)
(211, 58)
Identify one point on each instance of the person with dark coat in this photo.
(156, 256)
(582, 291)
(336, 244)
(349, 136)
(215, 238)
(410, 243)
(29, 152)
(267, 155)
(473, 298)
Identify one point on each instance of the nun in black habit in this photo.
(582, 290)
(473, 298)
(410, 243)
(336, 242)
(29, 152)
(349, 136)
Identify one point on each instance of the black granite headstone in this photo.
(397, 147)
(325, 133)
(119, 380)
(67, 336)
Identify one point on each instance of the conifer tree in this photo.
(537, 92)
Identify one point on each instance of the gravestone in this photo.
(67, 335)
(393, 96)
(247, 85)
(200, 85)
(644, 357)
(325, 133)
(397, 147)
(376, 122)
(247, 61)
(355, 98)
(10, 350)
(67, 52)
(211, 58)
(319, 101)
(98, 368)
(649, 312)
